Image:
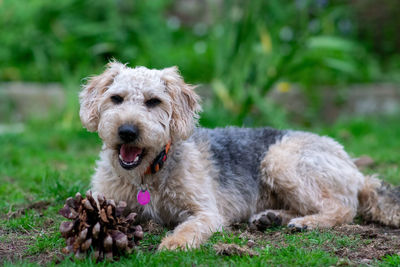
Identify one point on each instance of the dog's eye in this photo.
(117, 99)
(152, 102)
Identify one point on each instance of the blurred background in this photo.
(326, 66)
(275, 62)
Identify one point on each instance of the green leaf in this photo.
(333, 43)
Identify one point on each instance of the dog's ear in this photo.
(92, 91)
(185, 103)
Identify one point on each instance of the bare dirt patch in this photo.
(14, 246)
(10, 247)
(233, 249)
(378, 242)
(370, 242)
(39, 206)
(152, 227)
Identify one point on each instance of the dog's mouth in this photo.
(130, 156)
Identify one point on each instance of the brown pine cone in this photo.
(106, 231)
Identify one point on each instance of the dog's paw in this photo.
(266, 220)
(173, 242)
(299, 225)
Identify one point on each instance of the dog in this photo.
(201, 180)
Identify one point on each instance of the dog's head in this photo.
(137, 111)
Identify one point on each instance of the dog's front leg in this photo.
(192, 232)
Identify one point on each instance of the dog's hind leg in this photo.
(331, 214)
(313, 177)
(271, 218)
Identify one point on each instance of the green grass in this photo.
(45, 164)
(376, 137)
(51, 163)
(391, 260)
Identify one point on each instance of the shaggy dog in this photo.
(200, 180)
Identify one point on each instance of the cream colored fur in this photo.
(306, 179)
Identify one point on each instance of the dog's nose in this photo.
(128, 133)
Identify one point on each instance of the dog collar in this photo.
(159, 160)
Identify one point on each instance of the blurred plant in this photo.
(378, 25)
(259, 45)
(46, 40)
(68, 40)
(244, 49)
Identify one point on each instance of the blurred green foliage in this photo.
(44, 40)
(242, 49)
(378, 25)
(262, 44)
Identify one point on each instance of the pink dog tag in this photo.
(143, 197)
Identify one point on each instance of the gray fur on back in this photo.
(237, 154)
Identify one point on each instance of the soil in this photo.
(374, 241)
(381, 241)
(39, 206)
(14, 246)
(371, 242)
(234, 249)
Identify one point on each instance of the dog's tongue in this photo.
(129, 153)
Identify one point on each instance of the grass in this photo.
(50, 163)
(376, 137)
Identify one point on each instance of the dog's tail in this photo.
(379, 202)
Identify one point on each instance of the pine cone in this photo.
(107, 231)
